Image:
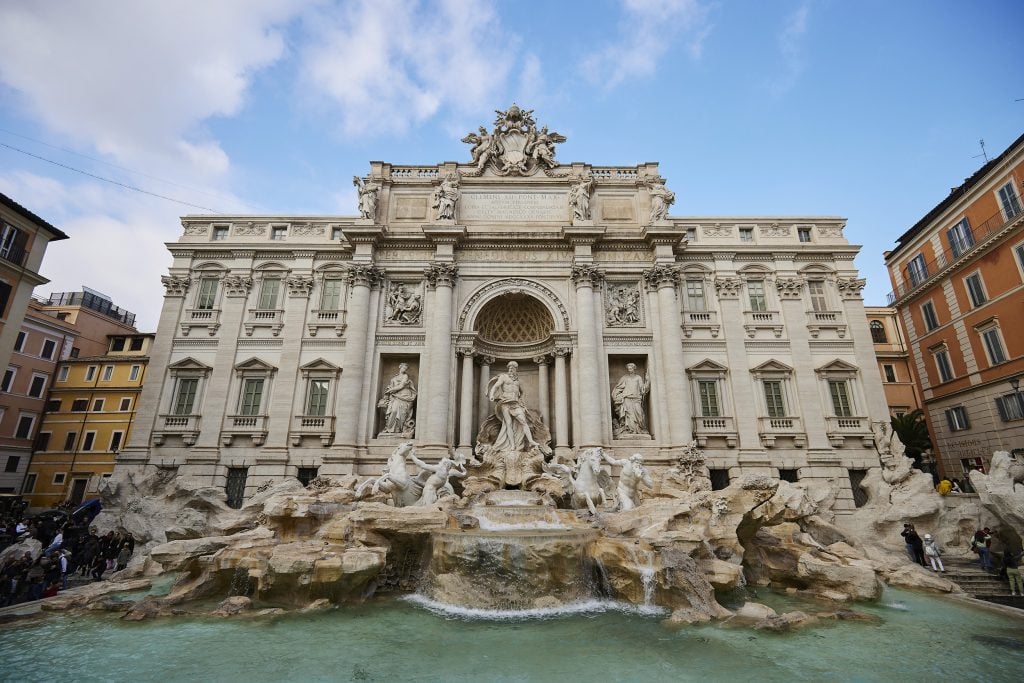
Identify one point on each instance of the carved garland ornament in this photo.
(586, 275)
(661, 276)
(728, 287)
(850, 287)
(513, 286)
(441, 274)
(250, 229)
(175, 285)
(299, 285)
(789, 287)
(775, 230)
(718, 230)
(236, 285)
(365, 276)
(194, 230)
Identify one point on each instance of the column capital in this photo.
(236, 285)
(541, 360)
(728, 287)
(661, 276)
(441, 274)
(485, 360)
(299, 285)
(586, 275)
(850, 287)
(363, 275)
(466, 351)
(175, 285)
(561, 352)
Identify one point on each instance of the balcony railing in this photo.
(773, 427)
(722, 427)
(841, 428)
(320, 318)
(200, 317)
(826, 320)
(755, 320)
(264, 317)
(14, 254)
(254, 426)
(694, 320)
(980, 235)
(185, 426)
(313, 425)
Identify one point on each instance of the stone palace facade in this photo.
(297, 346)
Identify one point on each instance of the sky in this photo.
(870, 110)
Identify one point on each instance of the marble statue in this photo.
(398, 400)
(623, 306)
(367, 198)
(445, 197)
(632, 475)
(541, 146)
(514, 146)
(661, 199)
(628, 398)
(507, 395)
(436, 485)
(896, 466)
(395, 479)
(586, 480)
(579, 198)
(485, 146)
(689, 475)
(404, 305)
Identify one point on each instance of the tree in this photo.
(912, 429)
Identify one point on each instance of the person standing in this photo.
(906, 539)
(982, 545)
(1011, 560)
(933, 553)
(914, 544)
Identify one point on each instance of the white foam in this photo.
(489, 525)
(896, 605)
(583, 607)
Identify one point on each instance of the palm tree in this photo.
(912, 430)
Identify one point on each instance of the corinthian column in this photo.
(542, 388)
(466, 403)
(351, 395)
(436, 399)
(664, 279)
(484, 405)
(591, 405)
(561, 404)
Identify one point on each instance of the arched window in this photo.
(878, 332)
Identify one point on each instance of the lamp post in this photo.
(1015, 385)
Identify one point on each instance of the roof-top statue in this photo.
(514, 146)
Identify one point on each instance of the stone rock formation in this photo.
(1002, 490)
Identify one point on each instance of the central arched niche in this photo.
(514, 319)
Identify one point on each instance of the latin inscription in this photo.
(521, 207)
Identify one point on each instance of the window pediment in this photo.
(255, 365)
(707, 367)
(772, 367)
(320, 368)
(838, 367)
(189, 365)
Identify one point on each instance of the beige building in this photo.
(295, 345)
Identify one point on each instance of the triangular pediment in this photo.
(189, 364)
(255, 364)
(838, 365)
(707, 365)
(320, 365)
(772, 366)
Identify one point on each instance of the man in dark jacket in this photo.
(914, 543)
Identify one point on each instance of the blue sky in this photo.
(869, 110)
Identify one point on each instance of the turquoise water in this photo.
(921, 638)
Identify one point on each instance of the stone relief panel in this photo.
(250, 229)
(404, 303)
(196, 229)
(306, 230)
(717, 230)
(775, 230)
(623, 305)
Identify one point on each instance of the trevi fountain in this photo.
(628, 521)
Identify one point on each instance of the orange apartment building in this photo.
(958, 278)
(893, 354)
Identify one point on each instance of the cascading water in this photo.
(647, 579)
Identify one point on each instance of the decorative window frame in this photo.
(981, 284)
(272, 318)
(999, 201)
(858, 424)
(771, 317)
(988, 325)
(935, 350)
(254, 426)
(924, 318)
(323, 318)
(773, 370)
(185, 426)
(709, 318)
(724, 425)
(321, 426)
(193, 316)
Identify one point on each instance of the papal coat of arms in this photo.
(514, 146)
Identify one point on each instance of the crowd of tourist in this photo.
(1005, 564)
(72, 551)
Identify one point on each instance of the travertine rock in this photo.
(1002, 490)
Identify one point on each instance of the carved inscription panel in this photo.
(514, 207)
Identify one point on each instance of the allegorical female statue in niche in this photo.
(398, 400)
(628, 398)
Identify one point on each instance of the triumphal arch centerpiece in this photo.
(508, 311)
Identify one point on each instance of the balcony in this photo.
(841, 428)
(264, 317)
(184, 426)
(94, 301)
(321, 426)
(705, 428)
(200, 317)
(771, 428)
(700, 320)
(319, 319)
(253, 426)
(762, 320)
(826, 320)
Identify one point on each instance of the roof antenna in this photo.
(983, 152)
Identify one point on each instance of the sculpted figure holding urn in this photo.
(398, 400)
(628, 398)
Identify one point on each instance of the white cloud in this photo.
(389, 64)
(648, 29)
(136, 79)
(791, 47)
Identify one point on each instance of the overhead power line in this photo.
(108, 180)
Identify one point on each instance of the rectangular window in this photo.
(252, 397)
(330, 299)
(133, 374)
(695, 296)
(69, 441)
(97, 405)
(136, 344)
(9, 374)
(278, 233)
(108, 373)
(117, 344)
(719, 479)
(838, 390)
(1020, 255)
(5, 296)
(890, 373)
(917, 270)
(931, 321)
(90, 373)
(30, 483)
(708, 391)
(37, 387)
(80, 405)
(19, 343)
(691, 234)
(49, 346)
(62, 375)
(235, 486)
(960, 237)
(126, 404)
(75, 351)
(1009, 199)
(25, 424)
(207, 295)
(220, 233)
(59, 477)
(755, 290)
(994, 346)
(773, 398)
(88, 441)
(816, 288)
(316, 404)
(268, 293)
(943, 365)
(974, 289)
(1010, 407)
(185, 398)
(957, 420)
(803, 234)
(115, 441)
(12, 463)
(746, 234)
(792, 476)
(12, 244)
(42, 441)
(53, 405)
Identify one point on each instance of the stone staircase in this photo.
(980, 584)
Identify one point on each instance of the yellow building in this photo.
(88, 417)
